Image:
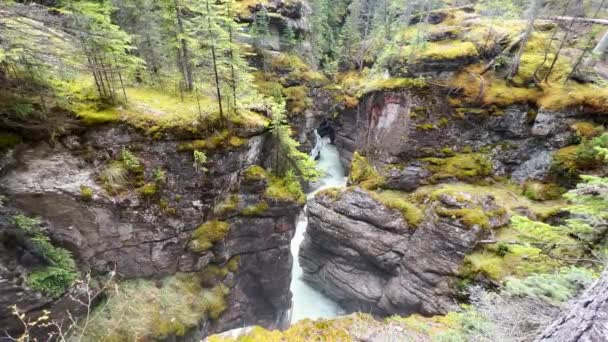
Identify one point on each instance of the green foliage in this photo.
(363, 173)
(200, 159)
(151, 310)
(207, 234)
(223, 140)
(286, 189)
(287, 159)
(571, 161)
(129, 160)
(159, 175)
(52, 280)
(86, 193)
(555, 288)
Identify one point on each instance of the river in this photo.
(308, 302)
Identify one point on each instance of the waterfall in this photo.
(308, 302)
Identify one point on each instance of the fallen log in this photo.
(585, 319)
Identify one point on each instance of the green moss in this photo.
(92, 116)
(463, 166)
(398, 201)
(541, 191)
(285, 189)
(147, 190)
(449, 50)
(223, 140)
(364, 174)
(425, 127)
(256, 209)
(255, 173)
(333, 193)
(586, 130)
(207, 234)
(8, 140)
(297, 99)
(229, 204)
(392, 84)
(86, 193)
(470, 217)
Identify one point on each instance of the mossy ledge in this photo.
(207, 234)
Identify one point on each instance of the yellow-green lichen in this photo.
(86, 193)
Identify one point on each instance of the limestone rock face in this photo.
(366, 256)
(403, 127)
(147, 236)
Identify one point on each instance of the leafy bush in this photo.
(129, 160)
(200, 159)
(55, 279)
(160, 175)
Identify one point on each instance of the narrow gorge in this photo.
(303, 170)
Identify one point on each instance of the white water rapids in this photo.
(308, 302)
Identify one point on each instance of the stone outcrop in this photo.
(368, 258)
(403, 127)
(147, 235)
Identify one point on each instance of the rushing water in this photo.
(308, 302)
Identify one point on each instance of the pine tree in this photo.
(287, 159)
(106, 47)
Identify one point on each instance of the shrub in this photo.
(160, 175)
(200, 159)
(129, 160)
(54, 279)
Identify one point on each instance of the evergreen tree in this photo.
(287, 159)
(106, 47)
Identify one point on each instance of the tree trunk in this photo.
(586, 318)
(185, 55)
(600, 49)
(535, 7)
(587, 46)
(214, 58)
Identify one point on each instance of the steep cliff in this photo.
(125, 203)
